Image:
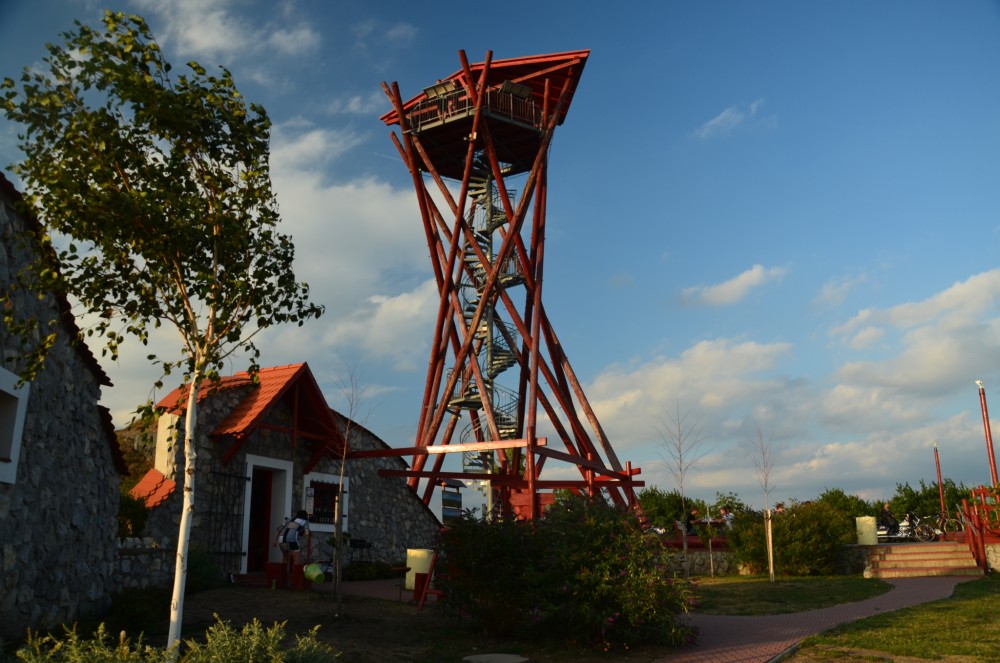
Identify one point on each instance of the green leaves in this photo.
(163, 188)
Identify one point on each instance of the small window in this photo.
(13, 404)
(325, 497)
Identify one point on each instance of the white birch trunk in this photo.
(187, 514)
(770, 544)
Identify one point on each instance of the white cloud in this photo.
(867, 337)
(390, 326)
(216, 28)
(297, 40)
(373, 103)
(736, 288)
(399, 34)
(723, 123)
(710, 376)
(732, 118)
(965, 300)
(835, 291)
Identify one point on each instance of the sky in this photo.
(777, 218)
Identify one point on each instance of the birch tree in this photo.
(155, 193)
(763, 453)
(682, 439)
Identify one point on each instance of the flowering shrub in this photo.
(584, 573)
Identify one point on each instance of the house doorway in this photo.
(268, 503)
(259, 539)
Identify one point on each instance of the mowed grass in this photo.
(755, 595)
(964, 627)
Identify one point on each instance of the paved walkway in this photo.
(761, 639)
(726, 639)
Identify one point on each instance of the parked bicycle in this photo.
(943, 524)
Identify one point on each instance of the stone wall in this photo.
(701, 563)
(384, 510)
(60, 514)
(993, 555)
(143, 562)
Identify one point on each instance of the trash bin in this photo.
(419, 561)
(867, 531)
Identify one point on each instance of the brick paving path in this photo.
(726, 639)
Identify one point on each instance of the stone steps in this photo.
(916, 560)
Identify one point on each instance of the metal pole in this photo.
(937, 463)
(989, 435)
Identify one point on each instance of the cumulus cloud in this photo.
(215, 28)
(390, 326)
(966, 300)
(736, 288)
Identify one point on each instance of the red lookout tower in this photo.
(497, 373)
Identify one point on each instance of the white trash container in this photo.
(418, 560)
(867, 531)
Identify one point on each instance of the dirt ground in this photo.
(372, 630)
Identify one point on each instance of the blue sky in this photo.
(774, 213)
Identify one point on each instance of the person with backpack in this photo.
(289, 538)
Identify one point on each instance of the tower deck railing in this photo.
(445, 107)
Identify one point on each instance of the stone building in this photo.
(60, 464)
(267, 448)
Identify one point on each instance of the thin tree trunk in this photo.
(338, 548)
(187, 515)
(770, 544)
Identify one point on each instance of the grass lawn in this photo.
(757, 595)
(964, 627)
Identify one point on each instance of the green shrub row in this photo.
(253, 642)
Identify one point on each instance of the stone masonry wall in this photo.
(60, 516)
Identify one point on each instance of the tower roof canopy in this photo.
(531, 71)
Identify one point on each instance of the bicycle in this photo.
(943, 524)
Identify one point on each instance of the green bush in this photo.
(222, 643)
(808, 539)
(256, 643)
(132, 516)
(584, 573)
(100, 649)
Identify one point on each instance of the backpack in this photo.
(282, 535)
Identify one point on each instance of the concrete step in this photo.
(927, 572)
(912, 560)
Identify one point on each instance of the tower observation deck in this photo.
(497, 375)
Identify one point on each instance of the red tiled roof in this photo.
(272, 385)
(154, 488)
(176, 401)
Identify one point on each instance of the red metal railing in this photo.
(982, 518)
(456, 104)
